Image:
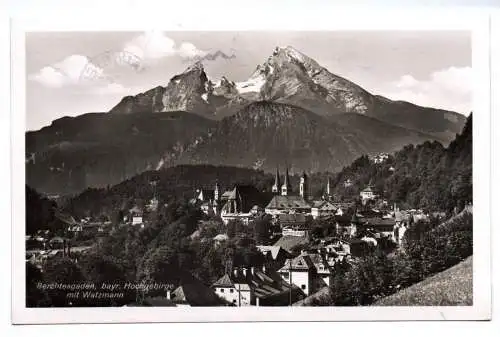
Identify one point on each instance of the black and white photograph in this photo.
(249, 169)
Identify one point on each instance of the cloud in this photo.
(151, 45)
(49, 76)
(154, 45)
(72, 70)
(110, 89)
(189, 50)
(80, 72)
(449, 88)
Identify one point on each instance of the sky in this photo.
(71, 73)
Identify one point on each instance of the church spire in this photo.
(304, 186)
(277, 184)
(217, 190)
(286, 188)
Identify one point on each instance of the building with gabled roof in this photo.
(205, 194)
(322, 208)
(241, 202)
(385, 226)
(285, 204)
(368, 194)
(252, 286)
(277, 184)
(194, 294)
(286, 188)
(275, 256)
(306, 271)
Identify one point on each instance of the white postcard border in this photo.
(474, 20)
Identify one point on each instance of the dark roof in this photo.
(273, 250)
(289, 242)
(247, 197)
(195, 294)
(343, 220)
(265, 285)
(224, 281)
(296, 218)
(208, 194)
(66, 218)
(324, 204)
(370, 214)
(288, 202)
(379, 222)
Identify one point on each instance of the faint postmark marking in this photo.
(96, 68)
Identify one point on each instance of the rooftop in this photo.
(301, 262)
(195, 294)
(264, 284)
(379, 222)
(274, 250)
(287, 202)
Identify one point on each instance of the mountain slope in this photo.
(291, 77)
(427, 175)
(450, 287)
(266, 134)
(101, 149)
(290, 110)
(189, 91)
(172, 182)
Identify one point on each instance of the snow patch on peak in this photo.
(291, 53)
(205, 97)
(197, 66)
(254, 84)
(295, 54)
(216, 83)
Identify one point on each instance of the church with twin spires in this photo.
(285, 200)
(244, 202)
(286, 188)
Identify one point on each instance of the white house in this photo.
(233, 290)
(322, 208)
(289, 231)
(253, 286)
(299, 271)
(308, 271)
(136, 215)
(367, 194)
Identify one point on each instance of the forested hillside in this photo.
(427, 176)
(174, 183)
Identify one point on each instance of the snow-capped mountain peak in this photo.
(195, 67)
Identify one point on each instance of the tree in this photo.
(118, 217)
(39, 211)
(101, 270)
(262, 230)
(65, 272)
(35, 295)
(159, 264)
(234, 227)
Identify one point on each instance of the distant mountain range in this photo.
(290, 110)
